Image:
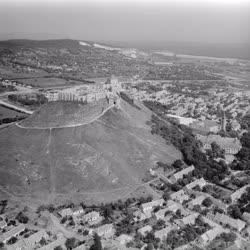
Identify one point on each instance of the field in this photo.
(45, 82)
(8, 113)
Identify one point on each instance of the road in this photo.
(12, 106)
(69, 126)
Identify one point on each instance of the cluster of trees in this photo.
(183, 139)
(22, 218)
(11, 119)
(28, 100)
(243, 156)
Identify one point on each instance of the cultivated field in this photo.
(45, 82)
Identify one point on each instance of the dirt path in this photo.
(69, 126)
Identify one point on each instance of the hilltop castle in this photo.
(110, 90)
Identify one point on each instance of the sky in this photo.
(210, 21)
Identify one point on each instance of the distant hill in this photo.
(113, 151)
(60, 43)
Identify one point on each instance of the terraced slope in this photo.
(109, 152)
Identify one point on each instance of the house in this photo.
(179, 196)
(190, 219)
(3, 224)
(30, 242)
(124, 239)
(92, 217)
(237, 194)
(140, 216)
(246, 216)
(198, 182)
(210, 235)
(230, 145)
(163, 233)
(206, 126)
(105, 231)
(179, 175)
(81, 247)
(161, 213)
(12, 233)
(224, 219)
(66, 212)
(148, 207)
(60, 241)
(77, 211)
(197, 201)
(144, 230)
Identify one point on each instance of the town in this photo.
(198, 202)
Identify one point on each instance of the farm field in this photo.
(8, 113)
(45, 82)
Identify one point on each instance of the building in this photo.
(144, 230)
(210, 235)
(246, 217)
(148, 207)
(197, 201)
(198, 182)
(224, 219)
(190, 219)
(3, 224)
(60, 241)
(30, 242)
(205, 127)
(15, 231)
(179, 196)
(123, 239)
(77, 211)
(104, 231)
(238, 193)
(163, 233)
(92, 217)
(140, 216)
(230, 145)
(66, 212)
(160, 215)
(179, 175)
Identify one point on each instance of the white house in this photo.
(148, 207)
(12, 233)
(105, 231)
(179, 196)
(92, 217)
(144, 230)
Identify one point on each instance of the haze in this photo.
(140, 21)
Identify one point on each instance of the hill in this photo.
(109, 152)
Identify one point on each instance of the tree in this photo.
(149, 246)
(1, 244)
(234, 211)
(22, 218)
(97, 243)
(70, 243)
(207, 202)
(177, 164)
(43, 242)
(58, 248)
(12, 240)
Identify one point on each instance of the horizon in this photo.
(162, 21)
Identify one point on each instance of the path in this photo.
(69, 126)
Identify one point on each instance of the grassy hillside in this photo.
(112, 152)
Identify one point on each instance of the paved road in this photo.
(9, 105)
(68, 126)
